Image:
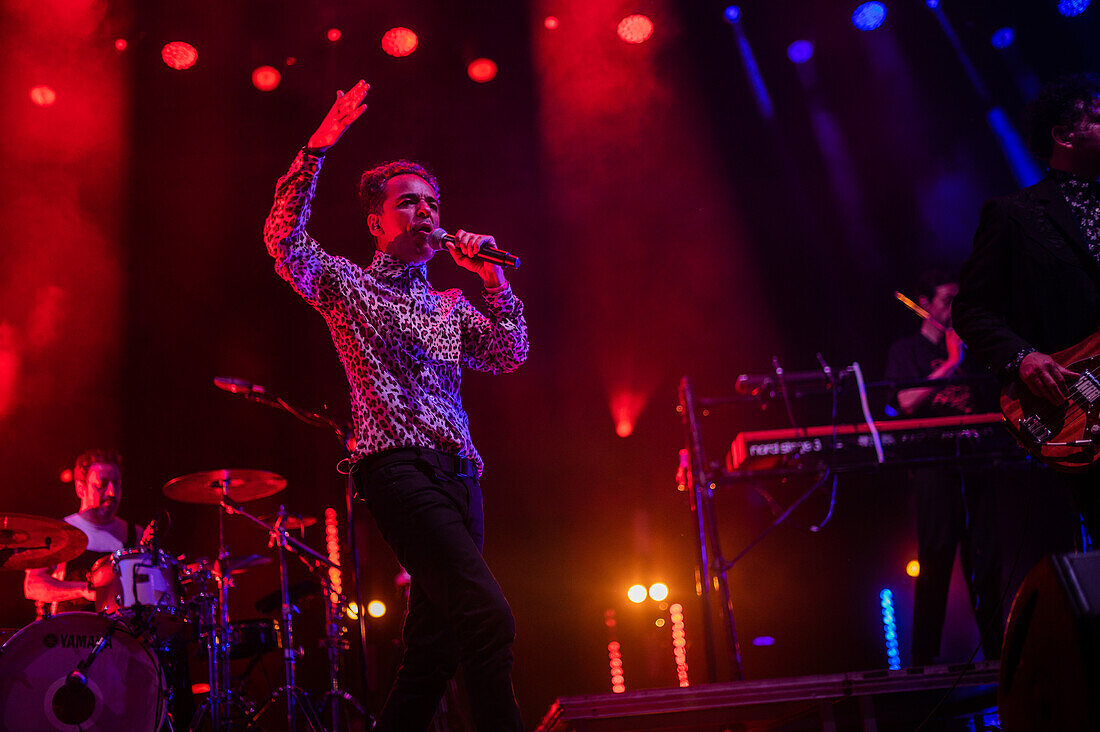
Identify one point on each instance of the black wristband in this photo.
(314, 153)
(1012, 368)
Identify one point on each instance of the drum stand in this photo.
(334, 704)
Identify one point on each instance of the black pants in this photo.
(956, 509)
(427, 505)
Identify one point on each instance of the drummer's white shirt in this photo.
(99, 538)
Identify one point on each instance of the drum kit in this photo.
(100, 670)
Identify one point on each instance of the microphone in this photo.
(237, 386)
(438, 238)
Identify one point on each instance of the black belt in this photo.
(450, 463)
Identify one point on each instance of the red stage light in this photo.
(333, 34)
(266, 78)
(290, 60)
(43, 95)
(179, 55)
(635, 28)
(399, 42)
(482, 70)
(551, 22)
(120, 44)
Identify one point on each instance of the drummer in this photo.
(97, 476)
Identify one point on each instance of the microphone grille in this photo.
(435, 239)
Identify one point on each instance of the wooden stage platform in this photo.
(866, 701)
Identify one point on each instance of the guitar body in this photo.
(1066, 436)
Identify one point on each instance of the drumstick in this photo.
(918, 310)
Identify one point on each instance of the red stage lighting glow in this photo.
(333, 34)
(179, 55)
(482, 70)
(266, 78)
(290, 60)
(635, 28)
(625, 408)
(551, 22)
(43, 95)
(399, 42)
(120, 44)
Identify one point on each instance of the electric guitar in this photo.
(1067, 435)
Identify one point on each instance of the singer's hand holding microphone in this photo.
(472, 251)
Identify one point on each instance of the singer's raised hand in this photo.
(465, 246)
(347, 108)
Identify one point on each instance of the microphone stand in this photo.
(347, 441)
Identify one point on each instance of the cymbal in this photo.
(32, 542)
(236, 565)
(292, 522)
(206, 487)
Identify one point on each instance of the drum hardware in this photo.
(34, 542)
(225, 489)
(330, 706)
(293, 521)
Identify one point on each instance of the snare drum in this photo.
(143, 586)
(125, 689)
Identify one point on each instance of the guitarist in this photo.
(1032, 284)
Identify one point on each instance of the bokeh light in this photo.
(399, 42)
(733, 13)
(1002, 38)
(290, 60)
(932, 3)
(913, 568)
(120, 44)
(376, 608)
(763, 641)
(658, 591)
(179, 55)
(334, 34)
(352, 611)
(637, 593)
(266, 78)
(43, 95)
(482, 70)
(800, 52)
(1072, 8)
(869, 16)
(659, 622)
(551, 22)
(635, 28)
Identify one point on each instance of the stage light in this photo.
(913, 568)
(658, 591)
(353, 611)
(615, 664)
(733, 13)
(800, 52)
(43, 95)
(376, 608)
(551, 22)
(763, 641)
(636, 593)
(932, 3)
(679, 644)
(179, 55)
(1072, 8)
(890, 629)
(66, 475)
(1002, 38)
(399, 42)
(333, 34)
(120, 44)
(200, 688)
(332, 546)
(482, 70)
(266, 78)
(869, 16)
(659, 622)
(290, 61)
(635, 28)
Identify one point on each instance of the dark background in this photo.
(666, 229)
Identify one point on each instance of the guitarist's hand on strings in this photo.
(1045, 377)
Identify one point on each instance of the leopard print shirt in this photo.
(402, 344)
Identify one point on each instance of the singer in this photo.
(403, 346)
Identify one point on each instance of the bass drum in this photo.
(125, 689)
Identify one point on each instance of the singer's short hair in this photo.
(1064, 101)
(88, 458)
(372, 185)
(930, 280)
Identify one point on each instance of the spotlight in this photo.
(913, 568)
(636, 593)
(376, 608)
(179, 55)
(482, 70)
(120, 44)
(733, 13)
(551, 22)
(333, 34)
(399, 42)
(1002, 38)
(635, 28)
(1072, 8)
(932, 3)
(43, 95)
(266, 78)
(869, 16)
(658, 591)
(800, 52)
(763, 641)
